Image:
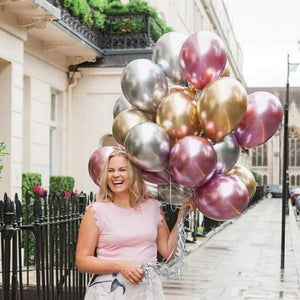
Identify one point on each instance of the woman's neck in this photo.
(122, 201)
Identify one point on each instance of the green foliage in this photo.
(59, 184)
(94, 13)
(28, 181)
(2, 153)
(256, 176)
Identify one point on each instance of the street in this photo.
(242, 261)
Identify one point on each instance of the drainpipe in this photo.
(74, 77)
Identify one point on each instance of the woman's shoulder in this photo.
(152, 202)
(99, 204)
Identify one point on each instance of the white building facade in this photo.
(52, 117)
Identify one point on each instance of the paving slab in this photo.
(243, 259)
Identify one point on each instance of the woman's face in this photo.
(118, 174)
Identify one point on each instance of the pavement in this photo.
(242, 259)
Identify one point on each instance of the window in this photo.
(265, 180)
(254, 157)
(292, 180)
(260, 155)
(298, 179)
(294, 148)
(54, 127)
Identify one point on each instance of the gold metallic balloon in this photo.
(221, 106)
(124, 121)
(177, 114)
(226, 71)
(246, 177)
(181, 89)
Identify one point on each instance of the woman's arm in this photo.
(87, 262)
(166, 240)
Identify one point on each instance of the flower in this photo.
(39, 190)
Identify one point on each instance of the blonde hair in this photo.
(137, 187)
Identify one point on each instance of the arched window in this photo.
(292, 152)
(294, 147)
(254, 157)
(265, 158)
(298, 152)
(108, 140)
(292, 180)
(265, 179)
(260, 155)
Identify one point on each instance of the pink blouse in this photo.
(128, 234)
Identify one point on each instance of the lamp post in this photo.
(285, 176)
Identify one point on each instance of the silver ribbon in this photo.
(170, 268)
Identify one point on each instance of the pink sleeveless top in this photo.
(128, 234)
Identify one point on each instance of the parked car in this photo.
(294, 193)
(274, 190)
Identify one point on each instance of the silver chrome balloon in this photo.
(166, 54)
(121, 104)
(228, 153)
(144, 84)
(176, 194)
(148, 146)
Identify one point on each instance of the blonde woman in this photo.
(127, 227)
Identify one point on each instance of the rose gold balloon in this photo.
(202, 58)
(223, 198)
(192, 161)
(124, 121)
(97, 161)
(221, 106)
(177, 114)
(261, 121)
(246, 177)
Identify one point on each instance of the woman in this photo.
(126, 227)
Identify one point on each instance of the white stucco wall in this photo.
(42, 77)
(11, 78)
(92, 116)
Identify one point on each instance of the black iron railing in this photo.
(118, 33)
(38, 245)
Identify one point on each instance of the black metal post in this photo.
(285, 164)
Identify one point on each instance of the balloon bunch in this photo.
(183, 121)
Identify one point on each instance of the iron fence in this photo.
(38, 245)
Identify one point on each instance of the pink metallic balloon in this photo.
(163, 177)
(262, 119)
(202, 58)
(224, 197)
(192, 161)
(97, 161)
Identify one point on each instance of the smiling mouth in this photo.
(118, 182)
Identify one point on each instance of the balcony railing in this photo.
(119, 32)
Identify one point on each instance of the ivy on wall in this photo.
(94, 14)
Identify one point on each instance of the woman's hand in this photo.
(190, 204)
(132, 272)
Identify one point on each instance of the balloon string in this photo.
(170, 268)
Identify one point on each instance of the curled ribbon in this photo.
(170, 268)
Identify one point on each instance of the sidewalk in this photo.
(242, 261)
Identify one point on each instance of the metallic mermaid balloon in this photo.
(262, 119)
(203, 58)
(144, 84)
(223, 198)
(192, 161)
(148, 146)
